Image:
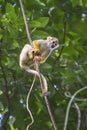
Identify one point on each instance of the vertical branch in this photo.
(79, 115)
(50, 112)
(25, 21)
(45, 98)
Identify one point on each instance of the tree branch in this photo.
(77, 108)
(25, 21)
(69, 105)
(46, 98)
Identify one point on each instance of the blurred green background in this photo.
(65, 70)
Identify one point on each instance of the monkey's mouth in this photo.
(54, 45)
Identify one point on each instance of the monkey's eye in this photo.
(53, 41)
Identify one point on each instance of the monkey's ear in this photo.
(49, 38)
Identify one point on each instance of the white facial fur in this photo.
(53, 43)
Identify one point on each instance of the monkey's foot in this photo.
(46, 93)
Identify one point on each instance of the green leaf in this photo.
(12, 120)
(34, 24)
(84, 2)
(38, 34)
(44, 21)
(4, 20)
(15, 44)
(40, 3)
(10, 12)
(74, 2)
(1, 92)
(40, 22)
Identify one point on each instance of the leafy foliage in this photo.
(65, 70)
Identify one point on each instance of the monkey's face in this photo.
(53, 43)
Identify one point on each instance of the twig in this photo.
(78, 110)
(26, 25)
(50, 112)
(69, 105)
(45, 98)
(28, 96)
(79, 115)
(76, 99)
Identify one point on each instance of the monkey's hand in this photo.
(38, 58)
(32, 53)
(37, 55)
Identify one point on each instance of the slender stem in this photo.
(45, 97)
(28, 96)
(79, 115)
(78, 110)
(69, 105)
(25, 21)
(50, 112)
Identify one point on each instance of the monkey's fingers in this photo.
(38, 58)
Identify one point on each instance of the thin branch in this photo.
(46, 98)
(79, 115)
(25, 21)
(50, 112)
(76, 99)
(78, 111)
(28, 96)
(69, 105)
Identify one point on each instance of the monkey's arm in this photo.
(42, 50)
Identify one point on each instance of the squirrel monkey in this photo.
(42, 50)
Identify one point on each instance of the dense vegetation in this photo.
(65, 70)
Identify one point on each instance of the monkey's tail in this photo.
(44, 87)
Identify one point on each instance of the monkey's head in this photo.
(53, 42)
